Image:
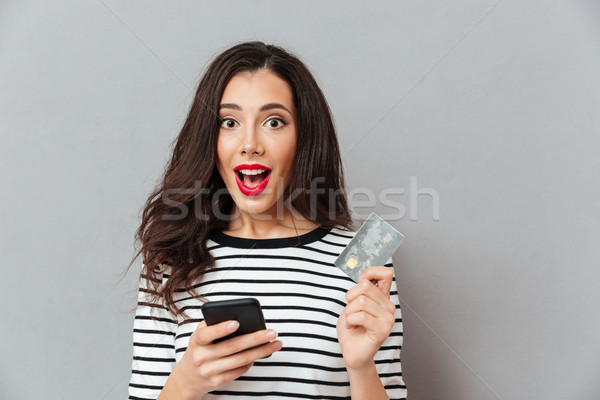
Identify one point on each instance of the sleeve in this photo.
(387, 358)
(153, 346)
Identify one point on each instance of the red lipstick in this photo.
(248, 191)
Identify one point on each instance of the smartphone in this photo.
(246, 311)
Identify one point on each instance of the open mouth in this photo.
(252, 178)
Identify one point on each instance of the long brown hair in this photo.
(190, 200)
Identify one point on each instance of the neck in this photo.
(265, 226)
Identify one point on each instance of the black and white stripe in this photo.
(302, 294)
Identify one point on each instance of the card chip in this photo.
(351, 263)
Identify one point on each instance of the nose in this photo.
(251, 143)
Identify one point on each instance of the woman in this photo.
(252, 204)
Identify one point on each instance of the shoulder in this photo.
(340, 230)
(152, 279)
(340, 234)
(161, 271)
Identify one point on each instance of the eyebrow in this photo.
(265, 107)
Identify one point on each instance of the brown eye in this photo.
(276, 123)
(227, 123)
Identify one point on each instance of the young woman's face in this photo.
(257, 140)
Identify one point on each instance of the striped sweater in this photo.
(302, 295)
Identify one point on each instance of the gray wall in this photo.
(492, 106)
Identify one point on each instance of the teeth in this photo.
(251, 171)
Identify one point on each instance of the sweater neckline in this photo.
(272, 243)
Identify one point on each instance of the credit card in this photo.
(374, 243)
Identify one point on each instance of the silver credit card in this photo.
(373, 244)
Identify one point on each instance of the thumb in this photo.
(204, 334)
(382, 277)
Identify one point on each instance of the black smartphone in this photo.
(246, 311)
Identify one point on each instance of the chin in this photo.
(257, 210)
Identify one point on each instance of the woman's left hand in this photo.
(368, 318)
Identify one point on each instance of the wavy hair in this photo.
(171, 231)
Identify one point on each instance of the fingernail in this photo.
(232, 326)
(271, 334)
(276, 345)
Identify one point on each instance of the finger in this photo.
(238, 360)
(383, 276)
(204, 334)
(368, 305)
(243, 342)
(369, 322)
(367, 288)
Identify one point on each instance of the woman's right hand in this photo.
(206, 365)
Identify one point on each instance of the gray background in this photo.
(492, 105)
